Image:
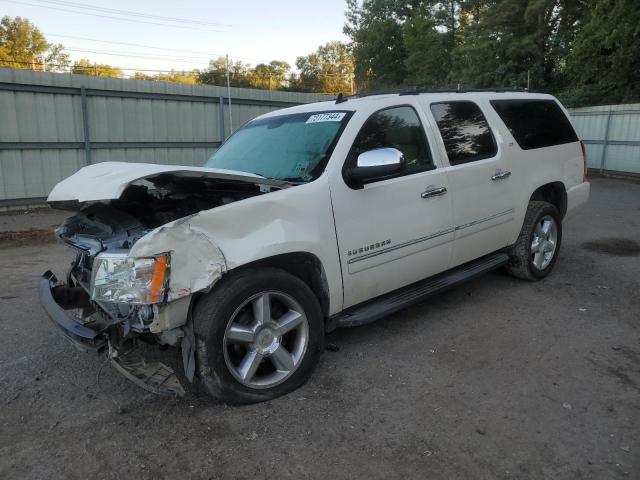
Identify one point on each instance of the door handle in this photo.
(500, 174)
(432, 191)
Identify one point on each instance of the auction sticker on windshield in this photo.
(326, 117)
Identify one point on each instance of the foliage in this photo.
(268, 76)
(585, 51)
(605, 59)
(85, 67)
(271, 76)
(173, 76)
(23, 46)
(329, 69)
(216, 74)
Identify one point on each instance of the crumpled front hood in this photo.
(108, 180)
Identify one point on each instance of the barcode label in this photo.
(326, 117)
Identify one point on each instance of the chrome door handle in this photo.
(433, 192)
(500, 174)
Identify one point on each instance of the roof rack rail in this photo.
(418, 90)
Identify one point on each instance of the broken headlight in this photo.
(118, 278)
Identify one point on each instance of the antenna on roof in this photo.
(341, 98)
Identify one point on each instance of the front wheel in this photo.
(260, 334)
(536, 250)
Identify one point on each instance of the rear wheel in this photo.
(536, 250)
(260, 334)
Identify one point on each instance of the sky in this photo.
(183, 34)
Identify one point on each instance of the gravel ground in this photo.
(497, 379)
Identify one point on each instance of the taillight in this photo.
(584, 159)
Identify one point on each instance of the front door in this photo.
(396, 230)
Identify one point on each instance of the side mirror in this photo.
(377, 163)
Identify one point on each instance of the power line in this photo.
(112, 17)
(141, 55)
(132, 13)
(127, 44)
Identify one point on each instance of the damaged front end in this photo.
(138, 263)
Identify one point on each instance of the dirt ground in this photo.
(499, 378)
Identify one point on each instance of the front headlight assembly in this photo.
(118, 278)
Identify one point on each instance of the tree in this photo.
(604, 64)
(513, 40)
(216, 74)
(330, 69)
(428, 51)
(271, 76)
(85, 67)
(173, 76)
(471, 43)
(23, 46)
(375, 29)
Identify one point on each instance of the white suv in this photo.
(307, 219)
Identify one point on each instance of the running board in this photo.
(397, 300)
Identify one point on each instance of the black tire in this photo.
(521, 264)
(215, 309)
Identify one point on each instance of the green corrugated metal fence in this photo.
(612, 136)
(52, 124)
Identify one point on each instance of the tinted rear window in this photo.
(535, 123)
(465, 131)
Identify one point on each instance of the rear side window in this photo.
(465, 131)
(535, 123)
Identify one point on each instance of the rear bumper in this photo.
(577, 196)
(82, 337)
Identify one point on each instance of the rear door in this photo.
(396, 230)
(480, 178)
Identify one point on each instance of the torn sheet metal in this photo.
(196, 262)
(155, 377)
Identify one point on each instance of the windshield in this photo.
(292, 147)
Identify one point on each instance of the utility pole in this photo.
(229, 97)
(528, 79)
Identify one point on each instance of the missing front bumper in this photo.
(83, 338)
(154, 377)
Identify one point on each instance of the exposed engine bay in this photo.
(145, 205)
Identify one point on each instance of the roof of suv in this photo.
(357, 102)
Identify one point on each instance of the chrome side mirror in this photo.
(377, 163)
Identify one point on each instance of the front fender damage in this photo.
(196, 265)
(196, 261)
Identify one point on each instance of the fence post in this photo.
(85, 126)
(603, 158)
(221, 119)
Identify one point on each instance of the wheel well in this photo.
(554, 193)
(306, 266)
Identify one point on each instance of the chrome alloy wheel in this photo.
(266, 339)
(543, 242)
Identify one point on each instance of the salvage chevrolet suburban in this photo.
(308, 219)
